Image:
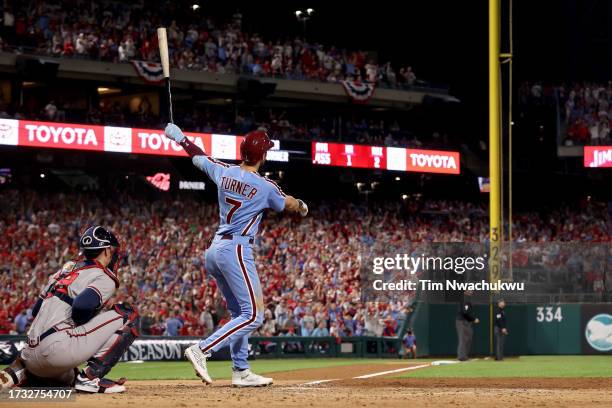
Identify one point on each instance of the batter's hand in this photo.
(303, 208)
(174, 132)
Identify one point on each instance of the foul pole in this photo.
(494, 153)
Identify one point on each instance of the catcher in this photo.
(69, 327)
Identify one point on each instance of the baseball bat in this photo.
(162, 38)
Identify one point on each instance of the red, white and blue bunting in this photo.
(149, 71)
(358, 91)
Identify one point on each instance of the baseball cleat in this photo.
(198, 360)
(98, 385)
(246, 378)
(13, 375)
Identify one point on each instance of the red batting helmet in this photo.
(254, 146)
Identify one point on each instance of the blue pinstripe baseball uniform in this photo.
(243, 197)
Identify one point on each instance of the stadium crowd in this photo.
(119, 32)
(123, 31)
(587, 113)
(585, 109)
(282, 124)
(309, 268)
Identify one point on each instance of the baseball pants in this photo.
(500, 339)
(232, 264)
(464, 336)
(57, 355)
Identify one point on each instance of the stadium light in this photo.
(397, 178)
(404, 196)
(195, 7)
(103, 90)
(42, 175)
(303, 17)
(304, 14)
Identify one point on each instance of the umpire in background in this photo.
(464, 324)
(500, 330)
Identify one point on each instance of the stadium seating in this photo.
(584, 109)
(308, 268)
(122, 31)
(587, 110)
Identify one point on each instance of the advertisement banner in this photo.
(597, 156)
(61, 135)
(55, 135)
(433, 161)
(9, 132)
(143, 349)
(596, 329)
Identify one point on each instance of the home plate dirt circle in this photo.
(337, 387)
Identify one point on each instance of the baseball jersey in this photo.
(409, 340)
(71, 280)
(243, 196)
(500, 318)
(465, 312)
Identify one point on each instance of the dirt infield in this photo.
(337, 387)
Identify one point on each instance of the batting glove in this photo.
(303, 208)
(174, 132)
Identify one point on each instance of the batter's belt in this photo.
(239, 239)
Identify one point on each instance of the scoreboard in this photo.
(386, 158)
(336, 154)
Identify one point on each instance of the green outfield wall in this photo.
(533, 329)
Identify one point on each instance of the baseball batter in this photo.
(243, 197)
(70, 328)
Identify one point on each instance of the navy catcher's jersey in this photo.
(243, 196)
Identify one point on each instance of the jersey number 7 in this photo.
(235, 205)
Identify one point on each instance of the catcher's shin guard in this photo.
(100, 365)
(66, 379)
